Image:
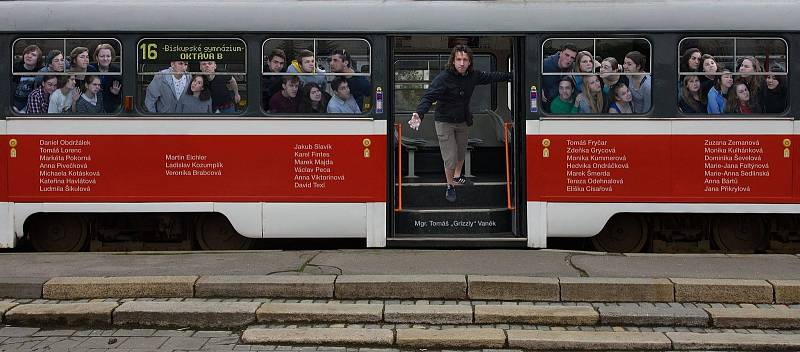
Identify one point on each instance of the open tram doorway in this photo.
(485, 214)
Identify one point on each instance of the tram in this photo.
(187, 124)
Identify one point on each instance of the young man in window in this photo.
(286, 100)
(224, 89)
(560, 62)
(342, 102)
(359, 85)
(276, 63)
(167, 87)
(306, 63)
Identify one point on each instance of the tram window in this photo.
(414, 73)
(732, 75)
(192, 76)
(66, 76)
(316, 76)
(596, 76)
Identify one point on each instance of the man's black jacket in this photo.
(453, 92)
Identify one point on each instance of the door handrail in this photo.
(399, 128)
(506, 127)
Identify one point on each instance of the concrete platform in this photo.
(581, 340)
(722, 290)
(540, 315)
(593, 289)
(119, 287)
(401, 286)
(428, 314)
(64, 314)
(316, 312)
(734, 341)
(280, 286)
(513, 288)
(755, 318)
(200, 315)
(472, 338)
(21, 287)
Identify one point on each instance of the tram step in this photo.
(453, 221)
(493, 240)
(431, 195)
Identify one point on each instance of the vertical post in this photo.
(508, 171)
(399, 166)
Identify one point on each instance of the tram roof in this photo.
(399, 16)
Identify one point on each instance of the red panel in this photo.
(660, 168)
(199, 168)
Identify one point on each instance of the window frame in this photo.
(546, 115)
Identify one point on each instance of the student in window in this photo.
(341, 62)
(314, 100)
(564, 103)
(306, 63)
(755, 83)
(584, 63)
(621, 99)
(708, 80)
(342, 102)
(40, 97)
(54, 62)
(271, 84)
(63, 98)
(692, 100)
(224, 89)
(739, 100)
(197, 99)
(690, 60)
(609, 72)
(91, 101)
(773, 98)
(634, 65)
(592, 100)
(24, 84)
(112, 85)
(167, 87)
(561, 61)
(718, 93)
(286, 100)
(79, 64)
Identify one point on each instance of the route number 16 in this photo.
(149, 51)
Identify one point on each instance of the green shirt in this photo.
(559, 106)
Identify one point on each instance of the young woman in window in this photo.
(709, 64)
(754, 83)
(197, 99)
(690, 60)
(609, 72)
(64, 97)
(584, 63)
(592, 100)
(564, 103)
(621, 99)
(79, 64)
(103, 55)
(634, 65)
(718, 93)
(773, 98)
(740, 100)
(313, 100)
(91, 101)
(692, 100)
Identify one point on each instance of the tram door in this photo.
(484, 212)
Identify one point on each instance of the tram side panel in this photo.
(653, 173)
(279, 169)
(7, 238)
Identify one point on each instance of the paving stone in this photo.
(186, 314)
(184, 343)
(319, 312)
(14, 331)
(451, 338)
(653, 316)
(755, 318)
(21, 287)
(592, 289)
(319, 336)
(59, 343)
(5, 307)
(722, 290)
(119, 287)
(584, 340)
(48, 333)
(786, 291)
(513, 288)
(546, 315)
(64, 314)
(102, 342)
(427, 314)
(284, 286)
(734, 341)
(401, 286)
(143, 343)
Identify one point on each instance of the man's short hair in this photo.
(30, 48)
(277, 52)
(304, 53)
(345, 56)
(337, 82)
(569, 46)
(290, 78)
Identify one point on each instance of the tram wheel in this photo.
(214, 232)
(58, 232)
(624, 233)
(739, 233)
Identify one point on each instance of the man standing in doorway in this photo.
(452, 89)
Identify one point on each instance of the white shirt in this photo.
(59, 103)
(178, 85)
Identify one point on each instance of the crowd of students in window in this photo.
(715, 89)
(303, 87)
(579, 84)
(576, 83)
(69, 84)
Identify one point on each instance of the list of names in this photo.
(594, 165)
(191, 164)
(65, 165)
(313, 166)
(729, 164)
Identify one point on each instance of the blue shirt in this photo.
(716, 102)
(339, 106)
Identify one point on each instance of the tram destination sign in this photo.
(162, 51)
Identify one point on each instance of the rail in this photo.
(399, 128)
(506, 127)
